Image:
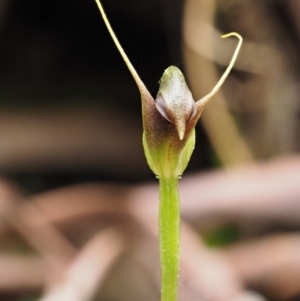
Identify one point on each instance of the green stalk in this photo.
(169, 139)
(169, 236)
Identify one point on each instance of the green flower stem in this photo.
(169, 236)
(169, 139)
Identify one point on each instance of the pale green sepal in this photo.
(186, 153)
(149, 157)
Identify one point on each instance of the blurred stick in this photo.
(267, 101)
(84, 276)
(271, 264)
(22, 215)
(47, 240)
(21, 272)
(230, 146)
(202, 269)
(262, 191)
(267, 191)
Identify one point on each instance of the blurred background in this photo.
(78, 203)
